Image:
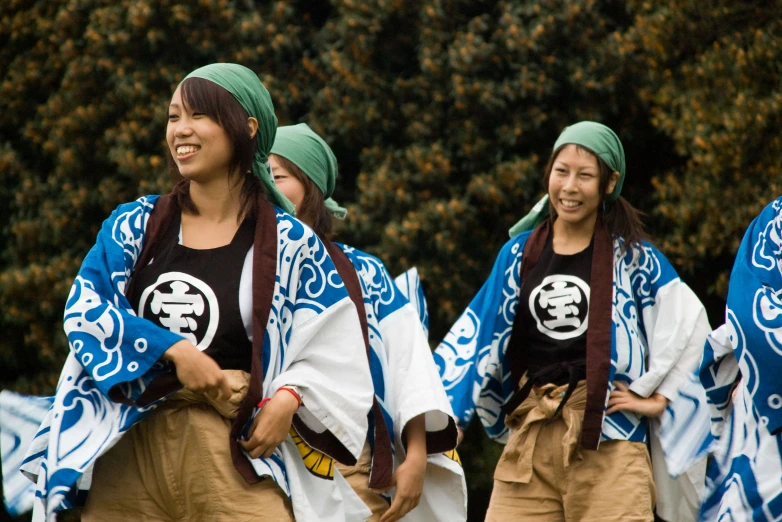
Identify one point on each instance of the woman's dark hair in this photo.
(312, 209)
(200, 95)
(620, 217)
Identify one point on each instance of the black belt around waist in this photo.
(574, 370)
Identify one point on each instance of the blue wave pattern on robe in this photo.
(112, 347)
(381, 299)
(410, 285)
(471, 358)
(20, 416)
(744, 479)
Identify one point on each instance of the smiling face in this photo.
(574, 185)
(200, 147)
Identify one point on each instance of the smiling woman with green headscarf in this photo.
(410, 405)
(300, 146)
(604, 144)
(245, 87)
(579, 337)
(186, 321)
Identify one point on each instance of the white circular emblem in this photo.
(185, 305)
(560, 306)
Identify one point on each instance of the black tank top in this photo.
(195, 293)
(553, 309)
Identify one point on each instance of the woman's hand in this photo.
(409, 481)
(197, 371)
(622, 399)
(409, 476)
(271, 426)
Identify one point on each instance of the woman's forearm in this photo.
(414, 434)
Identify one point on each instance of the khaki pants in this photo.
(358, 478)
(176, 465)
(543, 476)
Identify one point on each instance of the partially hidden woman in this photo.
(741, 375)
(202, 324)
(411, 417)
(579, 337)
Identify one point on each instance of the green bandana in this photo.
(255, 99)
(599, 139)
(301, 146)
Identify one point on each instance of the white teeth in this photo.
(182, 150)
(570, 204)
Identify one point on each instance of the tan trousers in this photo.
(358, 478)
(543, 476)
(176, 465)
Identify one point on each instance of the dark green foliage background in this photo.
(442, 113)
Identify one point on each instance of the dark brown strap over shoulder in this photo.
(382, 453)
(533, 248)
(157, 225)
(264, 278)
(598, 336)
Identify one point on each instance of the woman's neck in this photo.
(571, 238)
(217, 200)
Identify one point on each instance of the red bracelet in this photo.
(298, 399)
(263, 402)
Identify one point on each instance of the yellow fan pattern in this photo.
(454, 456)
(319, 464)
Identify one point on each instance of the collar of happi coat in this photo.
(264, 275)
(599, 332)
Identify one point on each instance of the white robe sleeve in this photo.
(324, 356)
(677, 327)
(329, 365)
(412, 374)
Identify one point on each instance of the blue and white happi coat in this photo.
(313, 340)
(655, 315)
(406, 380)
(744, 477)
(658, 330)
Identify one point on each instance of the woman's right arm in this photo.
(113, 344)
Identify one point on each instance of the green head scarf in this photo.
(248, 90)
(301, 146)
(599, 139)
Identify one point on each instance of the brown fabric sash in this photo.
(542, 406)
(238, 380)
(598, 336)
(157, 223)
(382, 470)
(264, 276)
